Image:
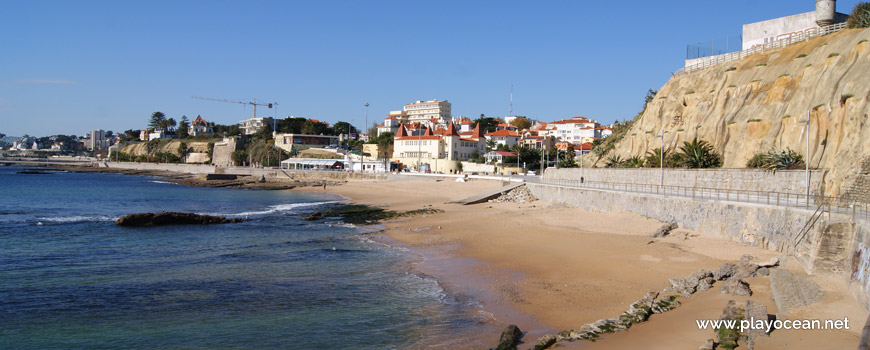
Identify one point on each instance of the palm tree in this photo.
(490, 144)
(699, 154)
(632, 162)
(653, 158)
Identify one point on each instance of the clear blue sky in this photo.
(72, 66)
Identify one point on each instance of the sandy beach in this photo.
(548, 267)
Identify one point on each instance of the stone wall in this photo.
(789, 181)
(858, 188)
(759, 225)
(179, 168)
(859, 272)
(223, 151)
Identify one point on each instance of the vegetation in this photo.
(731, 122)
(487, 125)
(753, 120)
(183, 125)
(776, 159)
(521, 123)
(653, 158)
(801, 55)
(845, 97)
(860, 17)
(833, 54)
(862, 41)
(632, 162)
(761, 64)
(786, 116)
(613, 161)
(698, 154)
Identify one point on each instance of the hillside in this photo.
(747, 106)
(197, 151)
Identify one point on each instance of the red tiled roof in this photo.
(506, 154)
(431, 137)
(401, 132)
(451, 130)
(504, 132)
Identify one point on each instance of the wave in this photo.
(275, 209)
(76, 218)
(163, 182)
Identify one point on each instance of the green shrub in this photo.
(801, 55)
(613, 161)
(732, 122)
(698, 154)
(860, 17)
(845, 97)
(753, 120)
(783, 75)
(761, 64)
(833, 54)
(777, 159)
(632, 162)
(786, 116)
(862, 41)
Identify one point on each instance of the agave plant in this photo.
(599, 151)
(757, 161)
(783, 160)
(653, 158)
(614, 161)
(699, 154)
(632, 162)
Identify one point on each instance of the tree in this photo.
(490, 144)
(311, 127)
(487, 125)
(521, 123)
(650, 96)
(653, 158)
(157, 119)
(182, 127)
(343, 128)
(698, 154)
(170, 125)
(860, 17)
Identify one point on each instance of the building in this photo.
(97, 140)
(199, 126)
(497, 157)
(437, 150)
(253, 125)
(764, 32)
(539, 142)
(427, 110)
(291, 142)
(572, 130)
(505, 137)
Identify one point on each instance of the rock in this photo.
(754, 312)
(728, 337)
(745, 267)
(763, 271)
(545, 342)
(708, 345)
(725, 272)
(510, 337)
(705, 284)
(314, 216)
(689, 284)
(640, 310)
(664, 230)
(736, 286)
(774, 261)
(172, 218)
(517, 195)
(664, 304)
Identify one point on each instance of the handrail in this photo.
(719, 59)
(809, 225)
(780, 199)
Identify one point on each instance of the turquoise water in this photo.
(70, 278)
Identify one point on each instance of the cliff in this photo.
(748, 106)
(197, 151)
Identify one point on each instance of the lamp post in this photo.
(419, 148)
(807, 154)
(661, 135)
(366, 125)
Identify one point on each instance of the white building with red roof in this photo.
(436, 149)
(572, 130)
(199, 126)
(505, 137)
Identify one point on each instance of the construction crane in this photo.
(252, 103)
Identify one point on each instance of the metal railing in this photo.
(837, 205)
(791, 39)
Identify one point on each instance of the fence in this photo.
(781, 199)
(802, 36)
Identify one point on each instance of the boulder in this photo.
(774, 261)
(545, 342)
(725, 272)
(728, 337)
(736, 286)
(510, 338)
(689, 284)
(172, 218)
(763, 271)
(664, 304)
(754, 311)
(705, 284)
(708, 345)
(314, 216)
(664, 230)
(745, 267)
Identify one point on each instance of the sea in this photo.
(71, 279)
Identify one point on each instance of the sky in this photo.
(67, 67)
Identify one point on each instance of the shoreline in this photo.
(565, 267)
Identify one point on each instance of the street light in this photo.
(807, 154)
(662, 159)
(366, 125)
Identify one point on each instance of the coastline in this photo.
(548, 267)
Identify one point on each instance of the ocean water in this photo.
(70, 278)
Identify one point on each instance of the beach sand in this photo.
(548, 267)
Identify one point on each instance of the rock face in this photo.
(545, 342)
(518, 195)
(172, 218)
(728, 337)
(510, 337)
(748, 106)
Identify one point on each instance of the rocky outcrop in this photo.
(172, 218)
(748, 106)
(545, 342)
(664, 230)
(736, 286)
(518, 195)
(510, 338)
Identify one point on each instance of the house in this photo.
(291, 142)
(437, 150)
(199, 126)
(539, 142)
(769, 31)
(497, 157)
(572, 130)
(253, 125)
(505, 137)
